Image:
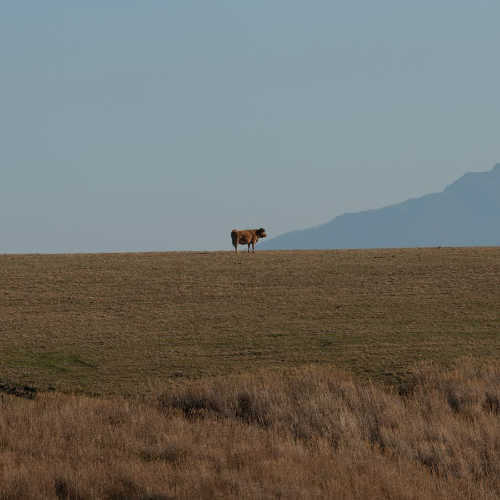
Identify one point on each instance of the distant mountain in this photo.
(466, 213)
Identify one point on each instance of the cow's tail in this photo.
(234, 238)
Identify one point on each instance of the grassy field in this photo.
(129, 323)
(314, 432)
(183, 350)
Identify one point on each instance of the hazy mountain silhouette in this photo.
(466, 213)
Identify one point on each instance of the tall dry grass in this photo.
(312, 432)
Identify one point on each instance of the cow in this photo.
(247, 237)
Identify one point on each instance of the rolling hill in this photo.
(466, 213)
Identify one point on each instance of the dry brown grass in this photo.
(120, 323)
(312, 432)
(220, 375)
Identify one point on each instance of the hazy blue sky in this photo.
(161, 125)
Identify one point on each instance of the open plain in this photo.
(314, 374)
(120, 323)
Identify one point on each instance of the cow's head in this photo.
(261, 233)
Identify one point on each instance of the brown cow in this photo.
(247, 237)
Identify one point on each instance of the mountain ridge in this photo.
(465, 213)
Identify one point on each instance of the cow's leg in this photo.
(249, 247)
(253, 246)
